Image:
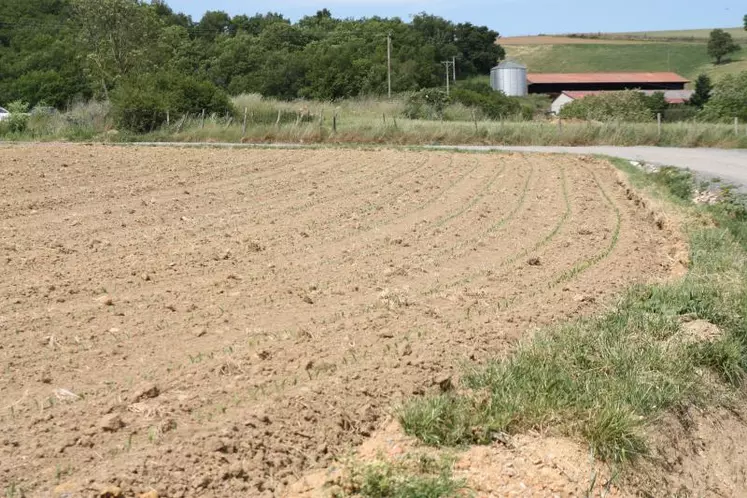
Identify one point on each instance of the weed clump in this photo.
(416, 476)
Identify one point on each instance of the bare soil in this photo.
(221, 322)
(565, 40)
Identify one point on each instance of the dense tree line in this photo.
(56, 51)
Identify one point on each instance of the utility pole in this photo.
(453, 66)
(389, 62)
(448, 65)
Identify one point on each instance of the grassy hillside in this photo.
(739, 34)
(688, 59)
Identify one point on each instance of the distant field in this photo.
(589, 55)
(557, 40)
(694, 34)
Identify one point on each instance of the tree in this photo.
(478, 51)
(213, 24)
(39, 60)
(58, 51)
(657, 102)
(140, 102)
(745, 22)
(721, 44)
(118, 36)
(703, 87)
(728, 99)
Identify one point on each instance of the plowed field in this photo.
(218, 322)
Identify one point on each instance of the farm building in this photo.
(555, 84)
(512, 79)
(673, 97)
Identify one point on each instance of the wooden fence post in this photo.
(658, 123)
(168, 118)
(243, 126)
(277, 123)
(736, 126)
(181, 123)
(560, 125)
(334, 122)
(202, 119)
(474, 118)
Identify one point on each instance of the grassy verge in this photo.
(604, 380)
(371, 121)
(411, 132)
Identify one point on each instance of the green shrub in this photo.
(140, 103)
(628, 105)
(476, 86)
(428, 103)
(18, 120)
(656, 102)
(492, 104)
(680, 113)
(677, 181)
(728, 99)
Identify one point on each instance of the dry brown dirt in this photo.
(220, 322)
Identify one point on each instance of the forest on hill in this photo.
(55, 52)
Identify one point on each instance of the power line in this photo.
(448, 64)
(389, 62)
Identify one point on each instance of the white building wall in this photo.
(559, 103)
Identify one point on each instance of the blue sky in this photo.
(511, 17)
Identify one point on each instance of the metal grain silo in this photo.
(510, 78)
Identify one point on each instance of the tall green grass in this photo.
(605, 380)
(371, 121)
(396, 130)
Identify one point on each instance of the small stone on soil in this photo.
(146, 391)
(110, 492)
(111, 423)
(105, 301)
(405, 349)
(45, 377)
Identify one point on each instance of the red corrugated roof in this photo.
(606, 78)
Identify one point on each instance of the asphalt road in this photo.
(728, 164)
